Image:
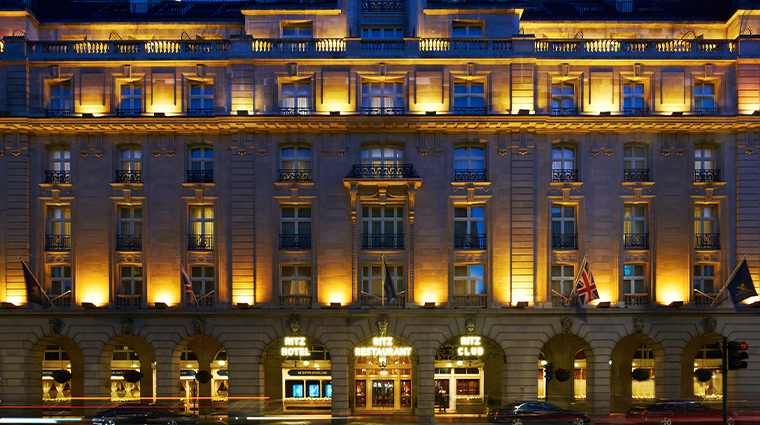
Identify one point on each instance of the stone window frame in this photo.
(132, 278)
(644, 276)
(467, 24)
(470, 278)
(297, 24)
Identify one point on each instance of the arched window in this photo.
(469, 164)
(295, 163)
(564, 166)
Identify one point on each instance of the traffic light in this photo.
(548, 371)
(737, 355)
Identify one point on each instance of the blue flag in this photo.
(740, 287)
(33, 288)
(388, 286)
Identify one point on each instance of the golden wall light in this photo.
(335, 305)
(243, 305)
(603, 304)
(430, 304)
(8, 305)
(89, 306)
(160, 305)
(676, 304)
(521, 304)
(242, 112)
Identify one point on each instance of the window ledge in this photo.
(638, 183)
(477, 184)
(558, 184)
(709, 183)
(293, 183)
(186, 184)
(127, 184)
(64, 185)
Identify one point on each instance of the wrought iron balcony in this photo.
(203, 112)
(476, 242)
(295, 301)
(59, 301)
(565, 111)
(707, 111)
(128, 301)
(382, 110)
(470, 176)
(292, 175)
(295, 242)
(471, 110)
(128, 176)
(636, 241)
(707, 241)
(128, 243)
(706, 176)
(389, 241)
(561, 175)
(372, 302)
(564, 301)
(566, 241)
(200, 243)
(382, 6)
(370, 171)
(636, 300)
(635, 175)
(58, 113)
(200, 176)
(636, 112)
(57, 243)
(129, 112)
(295, 110)
(58, 177)
(470, 301)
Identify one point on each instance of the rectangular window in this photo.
(60, 160)
(130, 228)
(131, 278)
(130, 99)
(60, 280)
(383, 227)
(634, 279)
(201, 100)
(635, 234)
(704, 278)
(706, 226)
(382, 98)
(58, 234)
(382, 32)
(469, 387)
(295, 228)
(564, 234)
(563, 276)
(469, 98)
(295, 280)
(633, 99)
(563, 98)
(295, 98)
(466, 29)
(303, 30)
(201, 227)
(705, 98)
(372, 278)
(469, 280)
(202, 278)
(59, 100)
(469, 227)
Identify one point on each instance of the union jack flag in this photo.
(188, 287)
(585, 286)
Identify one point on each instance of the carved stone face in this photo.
(382, 325)
(710, 324)
(470, 324)
(126, 325)
(638, 324)
(567, 324)
(55, 326)
(295, 324)
(198, 326)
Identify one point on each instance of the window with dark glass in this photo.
(635, 163)
(302, 29)
(563, 276)
(469, 164)
(469, 227)
(383, 227)
(295, 227)
(201, 99)
(705, 98)
(201, 235)
(130, 99)
(295, 98)
(130, 228)
(469, 279)
(382, 98)
(469, 98)
(59, 101)
(295, 280)
(563, 98)
(634, 99)
(564, 234)
(466, 29)
(635, 233)
(202, 279)
(564, 167)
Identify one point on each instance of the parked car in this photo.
(679, 411)
(135, 413)
(521, 412)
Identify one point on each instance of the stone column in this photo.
(667, 381)
(167, 377)
(519, 381)
(426, 385)
(93, 379)
(244, 372)
(341, 388)
(19, 386)
(598, 384)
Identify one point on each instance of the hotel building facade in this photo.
(283, 152)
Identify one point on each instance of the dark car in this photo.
(541, 412)
(678, 411)
(143, 414)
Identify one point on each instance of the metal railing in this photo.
(128, 176)
(391, 241)
(707, 241)
(382, 110)
(291, 175)
(561, 175)
(58, 177)
(59, 301)
(703, 300)
(564, 111)
(469, 301)
(706, 176)
(636, 112)
(634, 175)
(470, 110)
(564, 301)
(370, 171)
(204, 301)
(476, 242)
(295, 301)
(200, 243)
(289, 242)
(374, 302)
(58, 113)
(128, 242)
(636, 300)
(200, 112)
(709, 112)
(294, 110)
(200, 176)
(636, 241)
(566, 241)
(382, 6)
(470, 176)
(57, 243)
(383, 45)
(128, 112)
(128, 301)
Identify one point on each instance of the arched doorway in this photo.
(53, 359)
(468, 374)
(297, 373)
(126, 355)
(705, 353)
(382, 373)
(639, 355)
(567, 356)
(195, 356)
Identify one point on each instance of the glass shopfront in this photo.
(55, 393)
(306, 382)
(383, 375)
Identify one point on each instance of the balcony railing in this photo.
(58, 177)
(707, 241)
(383, 242)
(703, 300)
(632, 175)
(382, 46)
(57, 243)
(200, 243)
(636, 48)
(369, 171)
(128, 242)
(295, 110)
(470, 241)
(566, 241)
(59, 301)
(295, 242)
(200, 176)
(58, 113)
(382, 6)
(706, 176)
(636, 241)
(372, 302)
(128, 301)
(128, 176)
(472, 110)
(561, 175)
(455, 46)
(202, 112)
(291, 175)
(636, 300)
(636, 112)
(564, 301)
(295, 301)
(382, 110)
(128, 48)
(707, 111)
(470, 176)
(128, 112)
(204, 301)
(470, 301)
(565, 111)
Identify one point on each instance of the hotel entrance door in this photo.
(382, 394)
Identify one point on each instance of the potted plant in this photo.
(703, 375)
(202, 376)
(61, 376)
(640, 374)
(132, 376)
(562, 375)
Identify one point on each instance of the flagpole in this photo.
(725, 285)
(382, 273)
(35, 280)
(577, 276)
